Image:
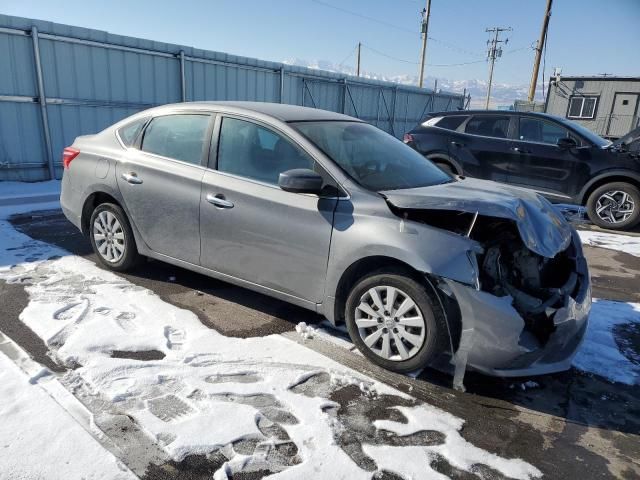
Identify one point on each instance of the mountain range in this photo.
(502, 94)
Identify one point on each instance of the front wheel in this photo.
(615, 206)
(394, 322)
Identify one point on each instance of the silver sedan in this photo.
(330, 213)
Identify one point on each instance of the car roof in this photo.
(490, 112)
(279, 111)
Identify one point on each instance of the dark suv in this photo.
(560, 159)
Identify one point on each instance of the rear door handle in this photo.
(457, 144)
(219, 200)
(132, 178)
(520, 150)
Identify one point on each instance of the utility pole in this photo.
(539, 48)
(358, 61)
(426, 13)
(494, 51)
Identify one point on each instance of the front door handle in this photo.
(219, 201)
(520, 150)
(457, 144)
(132, 178)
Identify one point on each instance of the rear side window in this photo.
(181, 137)
(249, 150)
(451, 122)
(496, 126)
(129, 133)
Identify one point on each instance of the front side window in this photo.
(582, 107)
(496, 126)
(541, 131)
(181, 137)
(373, 158)
(129, 133)
(252, 151)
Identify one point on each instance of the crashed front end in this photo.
(527, 309)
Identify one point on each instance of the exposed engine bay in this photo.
(538, 285)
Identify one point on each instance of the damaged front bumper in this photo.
(494, 338)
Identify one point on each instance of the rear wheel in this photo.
(615, 206)
(394, 322)
(112, 238)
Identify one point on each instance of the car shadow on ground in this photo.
(576, 396)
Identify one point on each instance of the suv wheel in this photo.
(394, 322)
(615, 206)
(112, 238)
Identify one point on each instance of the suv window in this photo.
(541, 131)
(129, 133)
(249, 150)
(496, 126)
(451, 122)
(181, 137)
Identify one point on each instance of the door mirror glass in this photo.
(300, 180)
(567, 143)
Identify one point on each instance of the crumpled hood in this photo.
(541, 227)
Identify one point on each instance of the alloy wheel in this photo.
(390, 323)
(109, 237)
(614, 206)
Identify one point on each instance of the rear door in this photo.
(161, 181)
(539, 163)
(483, 150)
(253, 230)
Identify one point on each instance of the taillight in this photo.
(68, 154)
(408, 138)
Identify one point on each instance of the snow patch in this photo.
(39, 439)
(613, 241)
(305, 331)
(600, 352)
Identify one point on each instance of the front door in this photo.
(539, 163)
(161, 182)
(253, 230)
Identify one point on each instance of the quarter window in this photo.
(249, 150)
(535, 130)
(451, 122)
(129, 133)
(582, 107)
(181, 137)
(496, 126)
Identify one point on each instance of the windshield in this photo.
(586, 133)
(373, 158)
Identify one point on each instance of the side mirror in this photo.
(567, 143)
(300, 180)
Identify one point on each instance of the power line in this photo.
(394, 26)
(366, 17)
(411, 62)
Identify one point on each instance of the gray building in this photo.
(606, 105)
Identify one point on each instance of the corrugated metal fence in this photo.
(59, 81)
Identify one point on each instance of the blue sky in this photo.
(585, 36)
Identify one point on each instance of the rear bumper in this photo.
(497, 343)
(68, 200)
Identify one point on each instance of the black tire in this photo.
(445, 167)
(130, 257)
(435, 338)
(597, 195)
